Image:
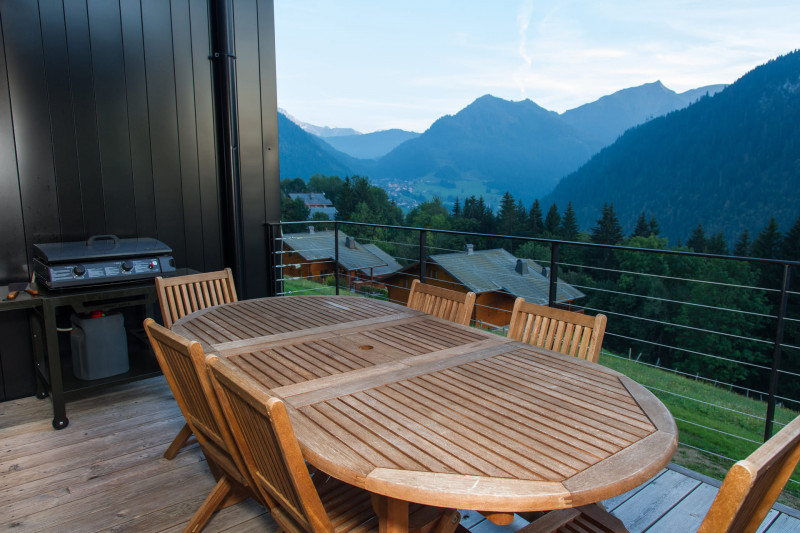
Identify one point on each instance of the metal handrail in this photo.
(555, 246)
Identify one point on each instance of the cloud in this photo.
(523, 21)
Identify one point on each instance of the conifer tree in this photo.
(654, 229)
(717, 245)
(535, 223)
(642, 228)
(457, 208)
(697, 241)
(608, 229)
(790, 247)
(768, 242)
(569, 224)
(742, 246)
(507, 222)
(552, 221)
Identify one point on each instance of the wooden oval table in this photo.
(418, 409)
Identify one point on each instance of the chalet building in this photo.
(311, 255)
(495, 276)
(316, 202)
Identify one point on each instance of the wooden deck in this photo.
(105, 473)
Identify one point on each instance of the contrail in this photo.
(523, 21)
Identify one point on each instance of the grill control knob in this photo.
(79, 270)
(127, 266)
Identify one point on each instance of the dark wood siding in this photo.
(107, 125)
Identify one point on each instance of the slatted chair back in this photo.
(183, 364)
(261, 427)
(558, 330)
(445, 303)
(752, 485)
(182, 295)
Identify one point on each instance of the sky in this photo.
(373, 65)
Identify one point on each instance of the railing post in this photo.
(776, 354)
(423, 245)
(336, 255)
(553, 296)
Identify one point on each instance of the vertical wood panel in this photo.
(250, 142)
(138, 122)
(62, 120)
(269, 109)
(187, 132)
(206, 140)
(83, 103)
(108, 68)
(13, 261)
(157, 31)
(25, 66)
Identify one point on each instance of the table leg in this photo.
(37, 345)
(392, 514)
(60, 420)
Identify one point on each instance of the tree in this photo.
(456, 208)
(742, 246)
(535, 223)
(293, 210)
(654, 229)
(608, 229)
(552, 221)
(642, 228)
(292, 185)
(767, 244)
(569, 224)
(507, 217)
(697, 241)
(717, 245)
(790, 246)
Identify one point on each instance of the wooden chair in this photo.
(183, 364)
(558, 330)
(445, 303)
(182, 295)
(261, 427)
(748, 492)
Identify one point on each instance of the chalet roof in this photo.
(496, 270)
(391, 264)
(311, 198)
(314, 200)
(320, 246)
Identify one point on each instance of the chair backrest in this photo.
(752, 485)
(182, 295)
(261, 427)
(558, 330)
(183, 364)
(445, 303)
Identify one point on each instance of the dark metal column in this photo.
(223, 60)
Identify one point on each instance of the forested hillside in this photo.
(302, 155)
(728, 162)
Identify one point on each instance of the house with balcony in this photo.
(495, 276)
(312, 255)
(316, 202)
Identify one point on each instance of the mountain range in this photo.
(729, 162)
(505, 145)
(724, 157)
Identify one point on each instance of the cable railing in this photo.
(705, 319)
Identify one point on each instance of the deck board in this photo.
(105, 472)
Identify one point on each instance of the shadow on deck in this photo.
(105, 472)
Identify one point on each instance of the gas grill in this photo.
(102, 259)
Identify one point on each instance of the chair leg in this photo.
(178, 442)
(212, 503)
(448, 522)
